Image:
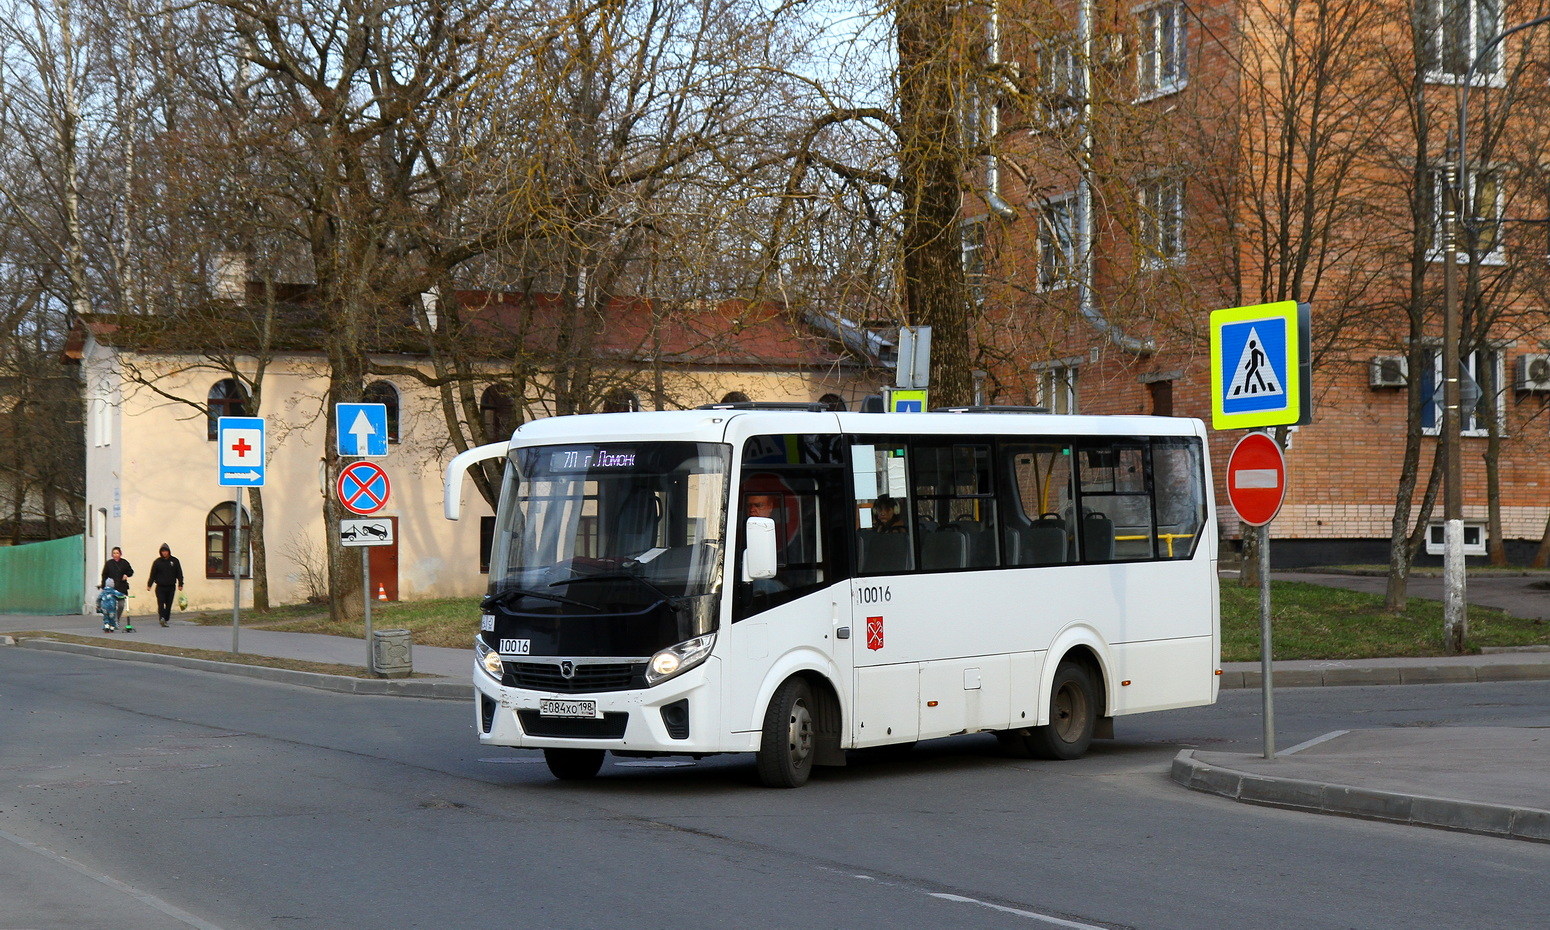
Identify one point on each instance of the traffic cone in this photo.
(381, 592)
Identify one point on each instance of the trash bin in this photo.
(391, 653)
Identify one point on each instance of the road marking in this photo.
(151, 901)
(961, 899)
(1314, 742)
(1032, 915)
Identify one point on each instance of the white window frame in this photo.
(1060, 80)
(1433, 13)
(1055, 385)
(1161, 225)
(1162, 49)
(1435, 536)
(972, 241)
(1057, 243)
(1470, 423)
(1439, 183)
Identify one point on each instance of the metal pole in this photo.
(236, 567)
(366, 590)
(1264, 641)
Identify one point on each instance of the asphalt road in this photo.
(141, 796)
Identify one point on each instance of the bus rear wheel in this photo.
(786, 746)
(1073, 713)
(574, 764)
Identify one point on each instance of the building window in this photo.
(973, 245)
(497, 412)
(1057, 243)
(220, 532)
(1061, 87)
(1474, 539)
(1162, 397)
(1472, 417)
(1485, 197)
(1162, 222)
(1455, 32)
(1056, 388)
(1160, 67)
(381, 392)
(227, 399)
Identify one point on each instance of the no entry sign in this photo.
(1256, 479)
(363, 488)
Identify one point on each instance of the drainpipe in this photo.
(993, 121)
(1087, 303)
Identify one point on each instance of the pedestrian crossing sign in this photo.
(1260, 364)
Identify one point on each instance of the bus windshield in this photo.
(610, 527)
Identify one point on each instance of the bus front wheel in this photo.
(786, 746)
(1073, 713)
(574, 764)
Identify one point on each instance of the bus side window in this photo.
(885, 523)
(1116, 506)
(1038, 516)
(955, 490)
(1179, 497)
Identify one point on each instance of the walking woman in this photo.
(166, 573)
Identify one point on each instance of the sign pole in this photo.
(366, 591)
(236, 567)
(1268, 690)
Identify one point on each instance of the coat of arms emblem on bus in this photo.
(874, 632)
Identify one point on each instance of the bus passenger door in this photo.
(884, 705)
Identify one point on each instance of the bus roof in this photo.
(728, 425)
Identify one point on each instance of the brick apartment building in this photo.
(1235, 152)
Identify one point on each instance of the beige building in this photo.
(151, 450)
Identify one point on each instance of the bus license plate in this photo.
(550, 707)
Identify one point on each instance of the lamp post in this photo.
(1455, 623)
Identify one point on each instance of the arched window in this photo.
(620, 401)
(227, 399)
(220, 532)
(381, 392)
(832, 402)
(735, 397)
(498, 412)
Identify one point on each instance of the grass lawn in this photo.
(1309, 622)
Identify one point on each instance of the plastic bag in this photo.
(182, 601)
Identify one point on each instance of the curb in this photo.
(446, 689)
(1518, 823)
(1387, 675)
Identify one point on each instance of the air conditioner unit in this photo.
(1534, 372)
(1389, 371)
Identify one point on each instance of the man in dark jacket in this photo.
(166, 572)
(117, 570)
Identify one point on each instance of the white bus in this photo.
(796, 583)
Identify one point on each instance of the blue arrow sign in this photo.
(242, 449)
(362, 429)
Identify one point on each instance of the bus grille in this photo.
(610, 727)
(545, 676)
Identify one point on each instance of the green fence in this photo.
(42, 578)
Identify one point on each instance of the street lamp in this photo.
(1455, 622)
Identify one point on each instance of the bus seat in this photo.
(885, 553)
(945, 549)
(1097, 538)
(1044, 543)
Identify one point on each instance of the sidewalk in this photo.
(1488, 780)
(452, 667)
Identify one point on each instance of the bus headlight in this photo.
(488, 659)
(680, 658)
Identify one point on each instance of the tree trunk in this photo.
(931, 164)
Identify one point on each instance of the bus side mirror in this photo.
(759, 557)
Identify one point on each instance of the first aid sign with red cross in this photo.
(241, 460)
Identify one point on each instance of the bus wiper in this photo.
(671, 600)
(505, 597)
